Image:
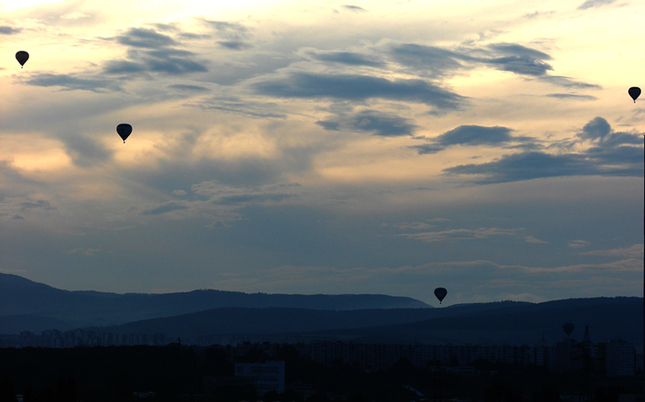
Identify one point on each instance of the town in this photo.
(327, 369)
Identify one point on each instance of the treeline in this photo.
(176, 373)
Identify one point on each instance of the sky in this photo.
(390, 147)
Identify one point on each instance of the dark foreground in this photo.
(178, 373)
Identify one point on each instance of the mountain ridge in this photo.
(20, 297)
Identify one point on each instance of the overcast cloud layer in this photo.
(376, 147)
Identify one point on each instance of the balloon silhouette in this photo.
(568, 328)
(440, 293)
(634, 92)
(22, 57)
(124, 130)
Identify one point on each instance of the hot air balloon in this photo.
(22, 57)
(440, 293)
(568, 328)
(124, 130)
(634, 92)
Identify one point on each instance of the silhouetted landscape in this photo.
(328, 348)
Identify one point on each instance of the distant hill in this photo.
(513, 323)
(254, 321)
(22, 300)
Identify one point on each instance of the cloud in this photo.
(86, 252)
(190, 88)
(578, 244)
(234, 45)
(612, 154)
(165, 208)
(37, 204)
(572, 96)
(74, 16)
(370, 121)
(7, 30)
(70, 82)
(594, 3)
(84, 150)
(164, 60)
(153, 52)
(359, 88)
(567, 82)
(145, 38)
(531, 239)
(222, 194)
(430, 61)
(519, 59)
(349, 58)
(597, 128)
(470, 135)
(436, 62)
(635, 251)
(355, 9)
(235, 36)
(460, 234)
(233, 104)
(414, 225)
(249, 199)
(510, 57)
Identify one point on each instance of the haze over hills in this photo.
(24, 303)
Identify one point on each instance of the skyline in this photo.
(372, 147)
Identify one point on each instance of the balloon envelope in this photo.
(634, 92)
(22, 57)
(440, 293)
(568, 328)
(124, 130)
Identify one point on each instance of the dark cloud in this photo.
(430, 60)
(567, 82)
(502, 56)
(371, 121)
(70, 82)
(164, 60)
(471, 135)
(594, 3)
(520, 51)
(436, 62)
(595, 129)
(238, 105)
(7, 30)
(356, 9)
(165, 27)
(350, 58)
(145, 38)
(250, 198)
(37, 204)
(16, 216)
(152, 52)
(572, 96)
(168, 207)
(359, 88)
(519, 59)
(611, 155)
(475, 135)
(234, 44)
(184, 87)
(84, 150)
(235, 36)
